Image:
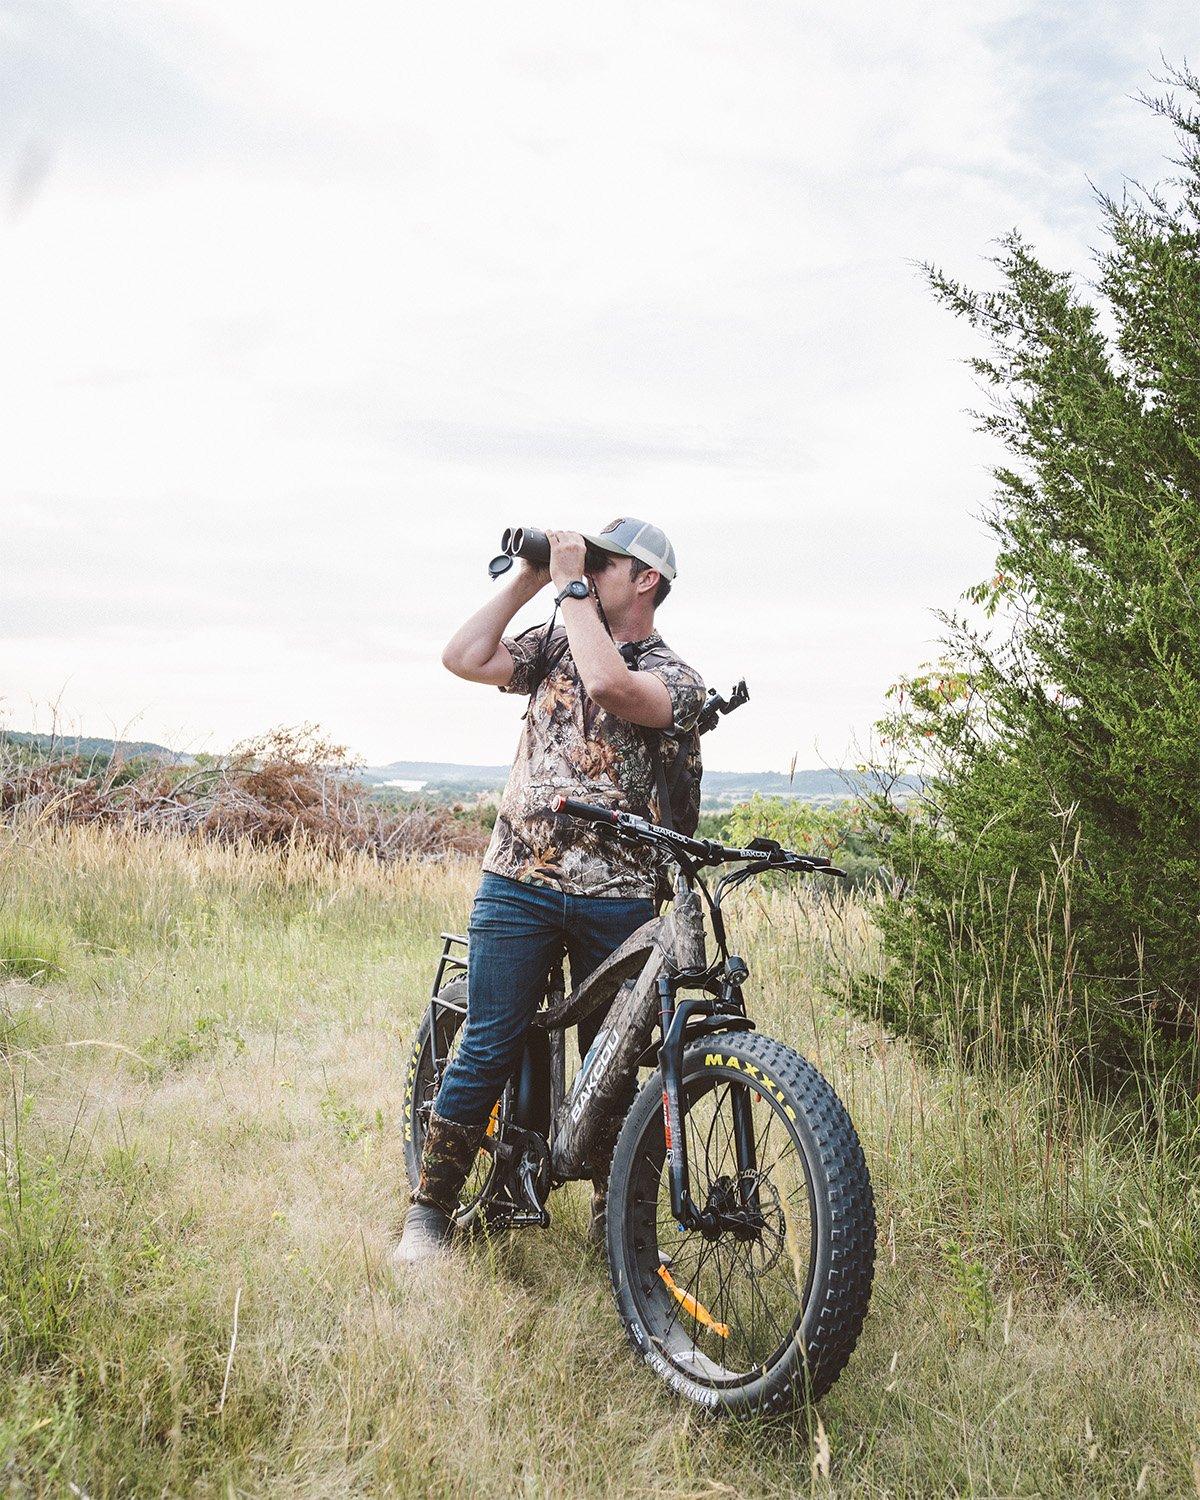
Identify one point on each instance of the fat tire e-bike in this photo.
(740, 1222)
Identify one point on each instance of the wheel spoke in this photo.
(717, 1116)
(753, 1282)
(693, 1282)
(760, 1143)
(743, 1275)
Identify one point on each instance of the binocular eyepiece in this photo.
(534, 546)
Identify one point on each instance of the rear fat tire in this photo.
(842, 1202)
(418, 1078)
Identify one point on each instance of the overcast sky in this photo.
(300, 305)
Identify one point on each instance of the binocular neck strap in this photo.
(603, 616)
(542, 664)
(653, 738)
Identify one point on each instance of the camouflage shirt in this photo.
(569, 744)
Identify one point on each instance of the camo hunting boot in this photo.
(446, 1160)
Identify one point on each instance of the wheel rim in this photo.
(724, 1310)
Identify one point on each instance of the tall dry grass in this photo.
(290, 784)
(202, 1089)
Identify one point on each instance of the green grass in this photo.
(200, 1107)
(29, 948)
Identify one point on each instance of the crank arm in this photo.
(534, 1212)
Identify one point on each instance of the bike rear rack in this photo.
(448, 962)
(448, 959)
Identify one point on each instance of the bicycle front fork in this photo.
(674, 1019)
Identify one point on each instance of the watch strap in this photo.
(569, 591)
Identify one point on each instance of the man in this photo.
(551, 880)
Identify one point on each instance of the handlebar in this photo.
(766, 852)
(587, 810)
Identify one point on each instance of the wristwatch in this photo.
(576, 589)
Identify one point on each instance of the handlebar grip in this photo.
(564, 804)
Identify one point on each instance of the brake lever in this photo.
(825, 869)
(810, 865)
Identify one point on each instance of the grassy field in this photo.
(203, 1075)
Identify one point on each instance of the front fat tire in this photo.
(842, 1203)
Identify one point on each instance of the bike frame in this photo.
(550, 1134)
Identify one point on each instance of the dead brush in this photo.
(286, 786)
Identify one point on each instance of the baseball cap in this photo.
(629, 538)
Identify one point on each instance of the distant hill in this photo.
(449, 780)
(434, 770)
(89, 746)
(721, 788)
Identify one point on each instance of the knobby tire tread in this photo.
(841, 1294)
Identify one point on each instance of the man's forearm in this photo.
(596, 658)
(474, 644)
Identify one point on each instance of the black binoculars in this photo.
(534, 546)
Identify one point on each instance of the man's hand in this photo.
(567, 549)
(532, 576)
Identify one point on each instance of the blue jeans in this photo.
(516, 931)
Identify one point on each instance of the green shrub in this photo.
(835, 832)
(1050, 870)
(714, 825)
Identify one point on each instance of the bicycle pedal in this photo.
(519, 1218)
(532, 1218)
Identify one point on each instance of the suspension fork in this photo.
(743, 1145)
(673, 1019)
